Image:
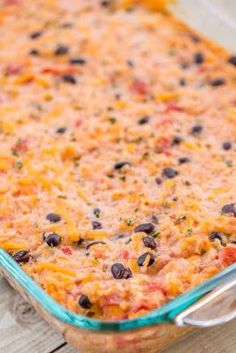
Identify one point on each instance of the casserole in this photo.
(149, 333)
(130, 340)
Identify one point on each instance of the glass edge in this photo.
(164, 314)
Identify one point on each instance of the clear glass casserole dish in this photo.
(211, 303)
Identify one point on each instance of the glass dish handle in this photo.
(215, 308)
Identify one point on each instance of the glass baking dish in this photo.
(209, 304)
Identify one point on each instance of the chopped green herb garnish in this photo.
(129, 222)
(155, 234)
(15, 153)
(229, 163)
(146, 155)
(180, 219)
(62, 197)
(123, 178)
(117, 139)
(112, 120)
(189, 231)
(110, 175)
(139, 139)
(171, 51)
(19, 165)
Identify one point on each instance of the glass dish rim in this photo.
(163, 315)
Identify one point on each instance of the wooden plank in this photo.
(220, 339)
(66, 349)
(21, 329)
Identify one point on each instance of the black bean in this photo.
(130, 63)
(61, 130)
(34, 52)
(227, 146)
(52, 239)
(195, 38)
(158, 181)
(217, 82)
(120, 165)
(232, 60)
(233, 240)
(69, 79)
(196, 129)
(183, 160)
(96, 225)
(61, 50)
(198, 58)
(121, 236)
(80, 241)
(147, 228)
(66, 25)
(94, 243)
(105, 3)
(182, 82)
(177, 140)
(215, 235)
(144, 120)
(119, 271)
(141, 260)
(36, 34)
(155, 219)
(53, 217)
(84, 302)
(97, 212)
(77, 61)
(185, 65)
(22, 256)
(149, 242)
(169, 173)
(229, 209)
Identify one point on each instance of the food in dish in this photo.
(117, 159)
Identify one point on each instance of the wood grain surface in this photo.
(23, 331)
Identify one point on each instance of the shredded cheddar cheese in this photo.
(117, 153)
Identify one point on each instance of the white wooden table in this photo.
(23, 331)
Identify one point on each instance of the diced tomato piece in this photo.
(58, 71)
(228, 255)
(157, 286)
(11, 2)
(110, 300)
(78, 122)
(164, 121)
(202, 68)
(164, 144)
(139, 87)
(21, 146)
(125, 254)
(142, 306)
(67, 250)
(12, 69)
(172, 106)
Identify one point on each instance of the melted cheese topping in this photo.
(117, 147)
